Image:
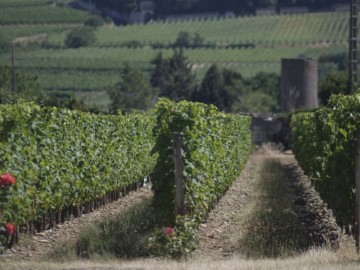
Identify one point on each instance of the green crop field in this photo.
(98, 68)
(269, 30)
(41, 14)
(90, 70)
(304, 29)
(23, 3)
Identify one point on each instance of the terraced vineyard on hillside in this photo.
(297, 30)
(100, 67)
(94, 69)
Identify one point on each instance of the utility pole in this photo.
(13, 70)
(353, 46)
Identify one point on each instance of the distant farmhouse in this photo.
(144, 13)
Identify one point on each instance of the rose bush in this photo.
(8, 229)
(169, 231)
(7, 179)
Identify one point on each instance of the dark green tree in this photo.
(223, 88)
(212, 89)
(336, 82)
(160, 73)
(197, 40)
(132, 93)
(183, 40)
(235, 89)
(268, 83)
(186, 40)
(258, 102)
(80, 37)
(263, 94)
(95, 21)
(173, 76)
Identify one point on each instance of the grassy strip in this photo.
(122, 236)
(272, 228)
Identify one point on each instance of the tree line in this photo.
(163, 7)
(174, 78)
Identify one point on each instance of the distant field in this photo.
(90, 69)
(23, 3)
(40, 15)
(28, 3)
(268, 30)
(304, 30)
(87, 70)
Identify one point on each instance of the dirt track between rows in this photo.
(225, 226)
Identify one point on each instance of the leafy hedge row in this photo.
(64, 158)
(214, 148)
(324, 144)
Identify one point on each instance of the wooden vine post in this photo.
(13, 68)
(357, 179)
(179, 192)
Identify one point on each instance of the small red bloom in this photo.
(10, 228)
(7, 179)
(169, 231)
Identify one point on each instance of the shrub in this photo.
(95, 21)
(80, 37)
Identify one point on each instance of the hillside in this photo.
(245, 44)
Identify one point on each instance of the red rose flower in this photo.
(10, 228)
(169, 231)
(7, 179)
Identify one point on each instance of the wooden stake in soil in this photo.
(357, 179)
(13, 70)
(179, 193)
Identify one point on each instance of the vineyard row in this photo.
(324, 143)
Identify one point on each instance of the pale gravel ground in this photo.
(214, 236)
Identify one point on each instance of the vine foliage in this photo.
(63, 158)
(324, 143)
(215, 146)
